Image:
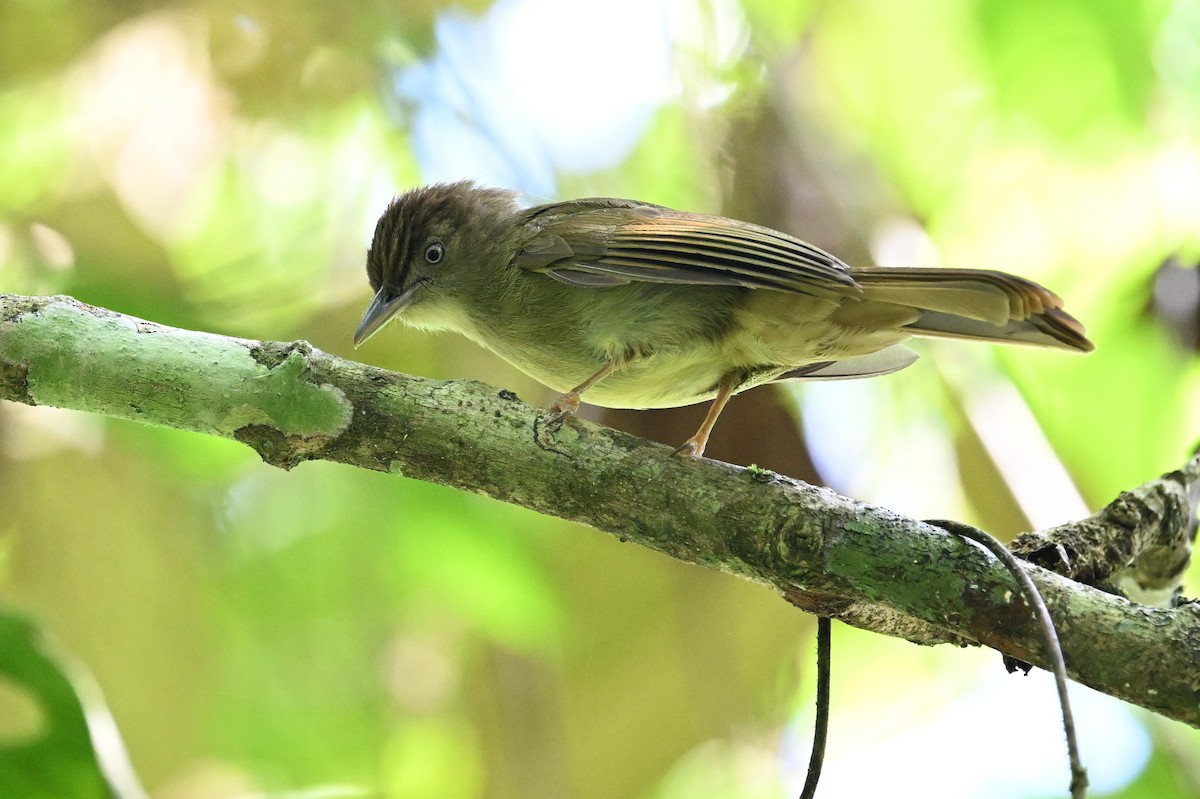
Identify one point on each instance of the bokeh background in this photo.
(330, 632)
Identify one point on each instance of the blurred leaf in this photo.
(902, 81)
(669, 165)
(331, 569)
(729, 769)
(1073, 67)
(1177, 56)
(432, 759)
(273, 218)
(35, 155)
(188, 456)
(399, 539)
(778, 26)
(38, 36)
(63, 761)
(1121, 415)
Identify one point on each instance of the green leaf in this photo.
(61, 759)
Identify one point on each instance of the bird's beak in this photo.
(383, 309)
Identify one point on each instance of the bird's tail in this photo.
(976, 304)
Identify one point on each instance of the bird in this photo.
(637, 305)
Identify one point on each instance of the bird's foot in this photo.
(564, 406)
(692, 448)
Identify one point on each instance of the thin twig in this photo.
(821, 726)
(1079, 779)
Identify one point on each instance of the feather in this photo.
(652, 244)
(885, 361)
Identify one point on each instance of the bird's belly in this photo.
(661, 381)
(666, 378)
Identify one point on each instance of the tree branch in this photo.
(823, 552)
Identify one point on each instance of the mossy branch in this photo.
(821, 551)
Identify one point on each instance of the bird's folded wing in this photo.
(606, 242)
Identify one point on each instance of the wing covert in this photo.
(603, 242)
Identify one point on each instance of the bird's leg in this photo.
(694, 446)
(568, 403)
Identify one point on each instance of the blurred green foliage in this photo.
(219, 166)
(56, 757)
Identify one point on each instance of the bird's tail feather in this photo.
(976, 304)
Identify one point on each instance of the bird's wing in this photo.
(604, 242)
(882, 362)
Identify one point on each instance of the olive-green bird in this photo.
(641, 306)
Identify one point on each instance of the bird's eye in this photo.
(435, 252)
